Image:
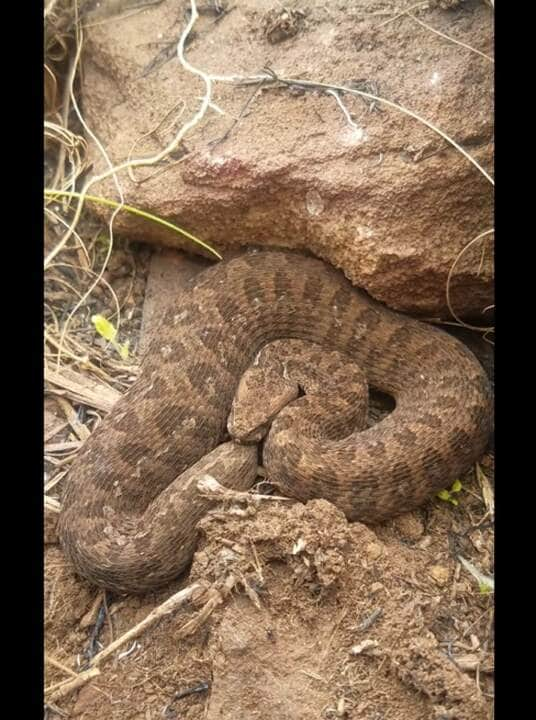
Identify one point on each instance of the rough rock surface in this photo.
(385, 199)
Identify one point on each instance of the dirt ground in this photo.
(324, 619)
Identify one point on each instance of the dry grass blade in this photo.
(79, 429)
(71, 145)
(55, 430)
(480, 577)
(70, 95)
(52, 483)
(447, 37)
(422, 4)
(449, 279)
(82, 360)
(49, 660)
(50, 7)
(487, 491)
(82, 389)
(105, 368)
(51, 92)
(127, 208)
(52, 505)
(104, 282)
(57, 218)
(63, 446)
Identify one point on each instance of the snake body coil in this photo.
(131, 505)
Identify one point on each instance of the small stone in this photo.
(440, 574)
(366, 646)
(374, 550)
(376, 587)
(298, 546)
(314, 202)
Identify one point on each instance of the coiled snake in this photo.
(131, 503)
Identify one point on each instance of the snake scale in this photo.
(131, 504)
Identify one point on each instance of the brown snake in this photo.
(131, 503)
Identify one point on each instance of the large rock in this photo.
(388, 200)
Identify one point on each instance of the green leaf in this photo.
(446, 494)
(109, 332)
(104, 327)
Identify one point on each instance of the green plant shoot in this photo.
(106, 330)
(447, 495)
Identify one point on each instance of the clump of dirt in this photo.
(344, 623)
(327, 619)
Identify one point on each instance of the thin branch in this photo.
(56, 692)
(167, 607)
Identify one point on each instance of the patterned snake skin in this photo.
(131, 504)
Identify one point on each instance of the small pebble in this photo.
(440, 574)
(376, 587)
(374, 550)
